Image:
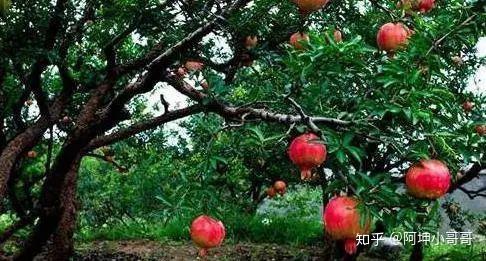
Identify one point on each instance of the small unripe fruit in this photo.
(337, 36)
(297, 38)
(251, 42)
(280, 187)
(480, 129)
(32, 154)
(392, 37)
(109, 158)
(271, 192)
(194, 66)
(89, 22)
(467, 106)
(29, 102)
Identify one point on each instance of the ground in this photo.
(150, 250)
(176, 251)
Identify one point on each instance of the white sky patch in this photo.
(477, 83)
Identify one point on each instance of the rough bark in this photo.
(62, 245)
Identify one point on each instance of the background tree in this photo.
(73, 75)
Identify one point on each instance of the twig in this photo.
(438, 41)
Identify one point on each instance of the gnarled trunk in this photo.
(62, 245)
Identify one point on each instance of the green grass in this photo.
(474, 252)
(241, 228)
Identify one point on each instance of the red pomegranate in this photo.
(342, 221)
(467, 106)
(480, 129)
(32, 154)
(308, 6)
(251, 42)
(338, 37)
(297, 38)
(271, 192)
(392, 36)
(207, 232)
(307, 152)
(428, 179)
(422, 6)
(194, 66)
(280, 187)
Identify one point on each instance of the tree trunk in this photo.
(62, 245)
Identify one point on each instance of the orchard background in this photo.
(88, 86)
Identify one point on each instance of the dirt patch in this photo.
(150, 250)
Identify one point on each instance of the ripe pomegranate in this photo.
(342, 221)
(467, 106)
(32, 154)
(207, 232)
(308, 6)
(338, 37)
(307, 152)
(251, 42)
(297, 38)
(66, 119)
(271, 192)
(392, 36)
(428, 179)
(422, 6)
(194, 66)
(480, 129)
(280, 187)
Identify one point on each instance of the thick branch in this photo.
(142, 126)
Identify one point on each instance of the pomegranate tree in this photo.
(308, 6)
(306, 151)
(428, 179)
(297, 38)
(207, 232)
(342, 221)
(392, 37)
